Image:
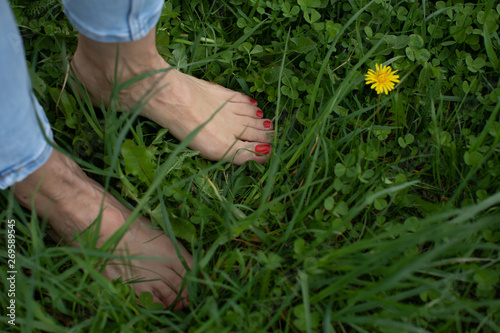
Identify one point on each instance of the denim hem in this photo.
(22, 170)
(136, 28)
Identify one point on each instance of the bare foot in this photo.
(237, 131)
(72, 201)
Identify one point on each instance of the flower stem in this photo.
(378, 109)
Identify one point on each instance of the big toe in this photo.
(168, 292)
(243, 151)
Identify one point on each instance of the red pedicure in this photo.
(260, 113)
(268, 124)
(253, 101)
(262, 149)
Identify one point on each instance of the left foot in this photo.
(181, 103)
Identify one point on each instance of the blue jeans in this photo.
(25, 132)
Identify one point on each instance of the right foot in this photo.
(236, 133)
(72, 202)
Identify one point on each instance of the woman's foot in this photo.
(72, 202)
(236, 133)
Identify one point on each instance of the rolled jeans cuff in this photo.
(113, 21)
(25, 132)
(25, 148)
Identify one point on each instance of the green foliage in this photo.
(372, 215)
(35, 8)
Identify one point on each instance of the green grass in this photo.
(371, 215)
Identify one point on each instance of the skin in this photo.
(72, 201)
(61, 192)
(181, 105)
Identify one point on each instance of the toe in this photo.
(260, 124)
(238, 97)
(173, 297)
(255, 135)
(168, 293)
(250, 151)
(267, 124)
(249, 111)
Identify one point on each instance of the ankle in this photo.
(134, 58)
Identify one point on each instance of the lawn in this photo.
(375, 212)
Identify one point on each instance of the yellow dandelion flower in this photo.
(382, 79)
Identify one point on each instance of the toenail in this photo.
(253, 101)
(268, 124)
(262, 149)
(260, 113)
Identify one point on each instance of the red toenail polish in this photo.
(262, 149)
(260, 113)
(268, 124)
(253, 101)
